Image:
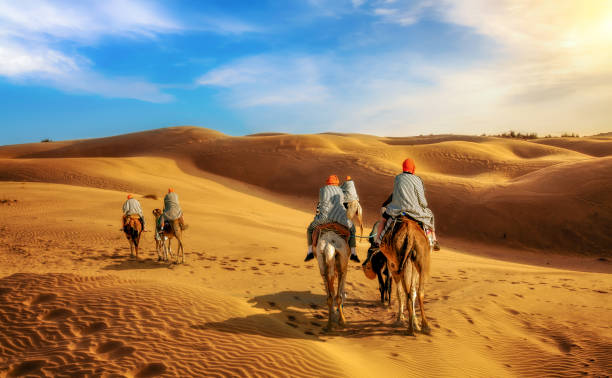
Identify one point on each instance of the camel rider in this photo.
(408, 198)
(132, 207)
(172, 209)
(330, 209)
(349, 191)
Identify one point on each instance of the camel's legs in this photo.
(408, 276)
(400, 300)
(381, 287)
(339, 295)
(178, 236)
(413, 296)
(329, 287)
(424, 323)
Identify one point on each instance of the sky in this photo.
(85, 69)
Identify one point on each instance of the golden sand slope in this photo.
(61, 324)
(71, 301)
(494, 191)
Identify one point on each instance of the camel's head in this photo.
(157, 213)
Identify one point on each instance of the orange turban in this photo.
(170, 190)
(332, 180)
(408, 165)
(348, 178)
(130, 196)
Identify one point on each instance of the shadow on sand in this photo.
(302, 314)
(127, 263)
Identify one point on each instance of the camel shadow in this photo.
(302, 315)
(128, 263)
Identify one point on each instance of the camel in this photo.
(132, 229)
(408, 254)
(354, 209)
(170, 230)
(375, 265)
(160, 240)
(332, 253)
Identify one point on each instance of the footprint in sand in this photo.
(151, 370)
(43, 298)
(114, 349)
(57, 314)
(26, 368)
(93, 328)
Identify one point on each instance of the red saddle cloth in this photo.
(339, 229)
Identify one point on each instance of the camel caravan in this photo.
(400, 242)
(169, 224)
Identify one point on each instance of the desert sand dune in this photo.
(594, 146)
(73, 302)
(466, 177)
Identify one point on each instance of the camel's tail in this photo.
(132, 232)
(135, 238)
(404, 252)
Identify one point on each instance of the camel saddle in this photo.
(339, 229)
(392, 223)
(127, 218)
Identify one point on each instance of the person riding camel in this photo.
(172, 210)
(330, 209)
(349, 191)
(408, 198)
(132, 207)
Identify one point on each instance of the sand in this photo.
(534, 303)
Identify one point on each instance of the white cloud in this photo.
(17, 60)
(269, 80)
(82, 21)
(385, 11)
(550, 72)
(32, 31)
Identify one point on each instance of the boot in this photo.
(436, 245)
(354, 255)
(310, 254)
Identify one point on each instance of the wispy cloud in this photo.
(32, 33)
(549, 72)
(269, 80)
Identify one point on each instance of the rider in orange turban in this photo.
(331, 210)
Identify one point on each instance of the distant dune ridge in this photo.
(550, 194)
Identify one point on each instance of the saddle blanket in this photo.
(339, 229)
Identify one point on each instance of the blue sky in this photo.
(81, 69)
